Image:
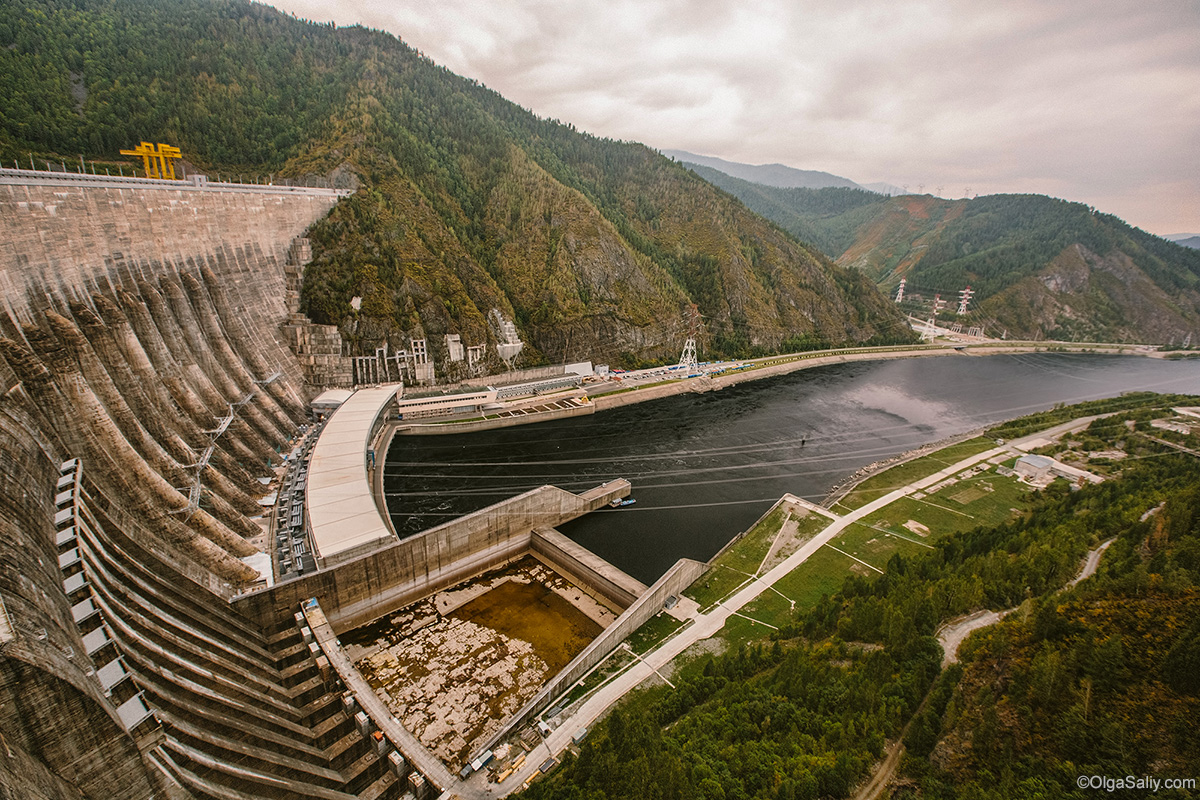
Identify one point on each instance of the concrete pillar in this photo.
(397, 764)
(418, 785)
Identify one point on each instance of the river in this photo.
(705, 466)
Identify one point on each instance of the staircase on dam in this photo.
(147, 381)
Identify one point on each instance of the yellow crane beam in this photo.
(157, 160)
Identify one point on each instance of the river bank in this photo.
(606, 397)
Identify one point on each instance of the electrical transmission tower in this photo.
(900, 290)
(688, 357)
(964, 297)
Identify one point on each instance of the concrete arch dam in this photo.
(149, 334)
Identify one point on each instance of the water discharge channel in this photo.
(705, 466)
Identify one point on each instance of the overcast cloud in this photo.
(1090, 100)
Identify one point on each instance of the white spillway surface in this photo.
(341, 509)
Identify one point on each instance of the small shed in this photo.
(328, 401)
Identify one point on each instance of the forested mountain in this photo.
(1040, 267)
(467, 203)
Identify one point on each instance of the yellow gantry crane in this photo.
(158, 159)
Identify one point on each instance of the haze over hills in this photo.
(468, 205)
(777, 175)
(1040, 267)
(1185, 239)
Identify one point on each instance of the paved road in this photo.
(1092, 563)
(954, 632)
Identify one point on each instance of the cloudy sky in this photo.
(1090, 100)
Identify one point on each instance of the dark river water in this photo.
(705, 467)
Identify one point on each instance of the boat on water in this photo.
(628, 501)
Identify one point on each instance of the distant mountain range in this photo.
(778, 175)
(1039, 267)
(1186, 239)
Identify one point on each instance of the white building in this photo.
(1033, 468)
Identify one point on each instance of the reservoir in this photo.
(704, 467)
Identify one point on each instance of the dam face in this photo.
(152, 364)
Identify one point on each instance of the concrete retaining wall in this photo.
(586, 569)
(517, 376)
(603, 402)
(369, 586)
(676, 579)
(401, 738)
(472, 426)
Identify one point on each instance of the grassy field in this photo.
(878, 485)
(734, 566)
(653, 631)
(984, 499)
(822, 574)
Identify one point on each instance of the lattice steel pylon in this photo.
(964, 297)
(688, 356)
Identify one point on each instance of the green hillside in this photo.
(467, 203)
(1040, 267)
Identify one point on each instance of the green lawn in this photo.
(653, 631)
(614, 663)
(875, 546)
(900, 475)
(874, 540)
(984, 499)
(822, 574)
(993, 500)
(713, 585)
(733, 566)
